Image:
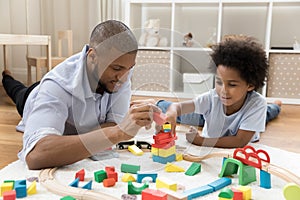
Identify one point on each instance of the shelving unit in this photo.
(275, 23)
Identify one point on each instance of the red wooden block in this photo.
(151, 194)
(111, 174)
(164, 146)
(237, 194)
(164, 141)
(80, 174)
(159, 118)
(9, 195)
(161, 136)
(109, 168)
(109, 182)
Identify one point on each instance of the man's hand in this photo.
(143, 101)
(139, 115)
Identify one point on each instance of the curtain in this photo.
(110, 9)
(46, 18)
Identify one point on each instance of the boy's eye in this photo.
(219, 82)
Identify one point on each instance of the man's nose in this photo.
(122, 76)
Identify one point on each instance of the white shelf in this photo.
(155, 48)
(274, 23)
(283, 51)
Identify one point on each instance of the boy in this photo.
(233, 111)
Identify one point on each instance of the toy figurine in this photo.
(187, 40)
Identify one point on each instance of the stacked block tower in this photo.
(163, 149)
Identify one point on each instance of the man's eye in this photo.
(117, 68)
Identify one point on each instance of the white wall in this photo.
(46, 18)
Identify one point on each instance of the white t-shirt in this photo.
(251, 117)
(63, 103)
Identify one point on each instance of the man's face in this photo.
(111, 77)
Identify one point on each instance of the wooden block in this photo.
(135, 150)
(109, 182)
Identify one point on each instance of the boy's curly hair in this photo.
(244, 54)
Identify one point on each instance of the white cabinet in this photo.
(275, 23)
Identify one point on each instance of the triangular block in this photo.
(170, 167)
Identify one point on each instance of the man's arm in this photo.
(55, 150)
(241, 139)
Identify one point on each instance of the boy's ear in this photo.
(251, 87)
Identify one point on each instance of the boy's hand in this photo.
(171, 118)
(193, 136)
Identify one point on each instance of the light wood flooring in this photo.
(283, 132)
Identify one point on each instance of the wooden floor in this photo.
(283, 132)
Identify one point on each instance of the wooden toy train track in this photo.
(282, 173)
(47, 179)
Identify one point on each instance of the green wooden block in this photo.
(68, 198)
(226, 193)
(100, 176)
(246, 174)
(136, 190)
(133, 169)
(194, 169)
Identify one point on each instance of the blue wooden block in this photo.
(164, 160)
(74, 183)
(88, 185)
(198, 192)
(265, 179)
(141, 176)
(220, 183)
(20, 188)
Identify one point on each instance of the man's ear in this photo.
(92, 54)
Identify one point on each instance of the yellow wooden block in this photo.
(179, 157)
(167, 152)
(128, 177)
(291, 191)
(164, 183)
(247, 194)
(135, 150)
(32, 188)
(154, 151)
(167, 127)
(170, 167)
(6, 187)
(221, 198)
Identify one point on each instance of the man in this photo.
(81, 107)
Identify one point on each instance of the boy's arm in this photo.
(241, 139)
(177, 109)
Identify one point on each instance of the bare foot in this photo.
(6, 72)
(278, 102)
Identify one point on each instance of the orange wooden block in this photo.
(109, 182)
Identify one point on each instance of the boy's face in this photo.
(231, 88)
